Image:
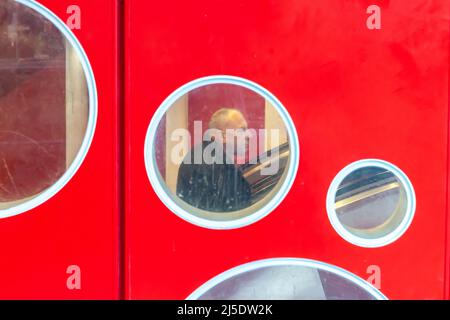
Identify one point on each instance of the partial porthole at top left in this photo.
(48, 105)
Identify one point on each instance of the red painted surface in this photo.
(447, 261)
(79, 225)
(353, 94)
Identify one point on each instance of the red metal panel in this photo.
(447, 260)
(79, 225)
(353, 94)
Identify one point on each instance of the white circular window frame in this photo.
(282, 262)
(393, 235)
(90, 129)
(161, 189)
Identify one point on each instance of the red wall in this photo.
(79, 225)
(353, 94)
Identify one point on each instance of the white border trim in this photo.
(397, 232)
(152, 169)
(92, 121)
(286, 262)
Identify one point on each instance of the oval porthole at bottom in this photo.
(287, 279)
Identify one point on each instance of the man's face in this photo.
(234, 130)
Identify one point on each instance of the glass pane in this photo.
(371, 200)
(221, 149)
(43, 104)
(286, 283)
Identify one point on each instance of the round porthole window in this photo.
(48, 105)
(287, 279)
(221, 152)
(371, 203)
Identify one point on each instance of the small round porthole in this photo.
(371, 203)
(48, 105)
(221, 152)
(287, 279)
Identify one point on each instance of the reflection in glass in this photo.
(43, 104)
(371, 200)
(221, 148)
(286, 283)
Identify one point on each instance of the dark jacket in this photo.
(212, 187)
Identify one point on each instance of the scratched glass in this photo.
(43, 104)
(371, 202)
